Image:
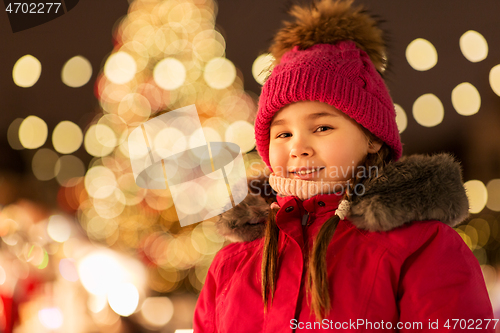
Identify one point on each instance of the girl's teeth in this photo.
(307, 172)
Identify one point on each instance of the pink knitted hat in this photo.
(331, 68)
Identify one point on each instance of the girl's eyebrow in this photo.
(311, 116)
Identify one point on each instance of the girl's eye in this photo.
(328, 127)
(324, 127)
(280, 136)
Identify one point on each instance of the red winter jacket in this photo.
(387, 270)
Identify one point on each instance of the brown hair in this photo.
(317, 277)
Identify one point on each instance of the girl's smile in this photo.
(305, 173)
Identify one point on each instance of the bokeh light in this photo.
(157, 311)
(482, 229)
(33, 132)
(169, 73)
(139, 52)
(474, 46)
(100, 140)
(428, 110)
(109, 206)
(26, 71)
(494, 78)
(117, 124)
(185, 13)
(123, 298)
(401, 118)
(133, 193)
(493, 188)
(206, 240)
(219, 73)
(208, 44)
(97, 303)
(134, 109)
(466, 99)
(102, 179)
(421, 54)
(241, 133)
(59, 228)
(261, 67)
(43, 164)
(67, 268)
(111, 93)
(99, 273)
(76, 72)
(169, 141)
(51, 318)
(236, 107)
(187, 203)
(209, 133)
(146, 36)
(67, 137)
(120, 68)
(477, 194)
(107, 318)
(67, 168)
(467, 237)
(13, 134)
(101, 228)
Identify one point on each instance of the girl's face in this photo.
(315, 136)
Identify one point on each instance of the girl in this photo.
(356, 238)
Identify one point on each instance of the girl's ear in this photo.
(374, 146)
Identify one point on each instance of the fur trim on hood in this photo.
(416, 188)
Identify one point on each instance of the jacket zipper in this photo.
(305, 218)
(305, 225)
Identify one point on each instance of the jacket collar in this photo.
(293, 208)
(416, 188)
(319, 204)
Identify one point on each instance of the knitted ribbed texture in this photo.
(340, 75)
(304, 189)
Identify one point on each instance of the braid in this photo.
(270, 258)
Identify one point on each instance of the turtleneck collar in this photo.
(304, 189)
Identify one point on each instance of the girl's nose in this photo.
(301, 151)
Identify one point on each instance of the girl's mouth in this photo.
(308, 174)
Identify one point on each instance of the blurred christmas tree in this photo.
(167, 55)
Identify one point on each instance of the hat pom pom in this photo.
(328, 22)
